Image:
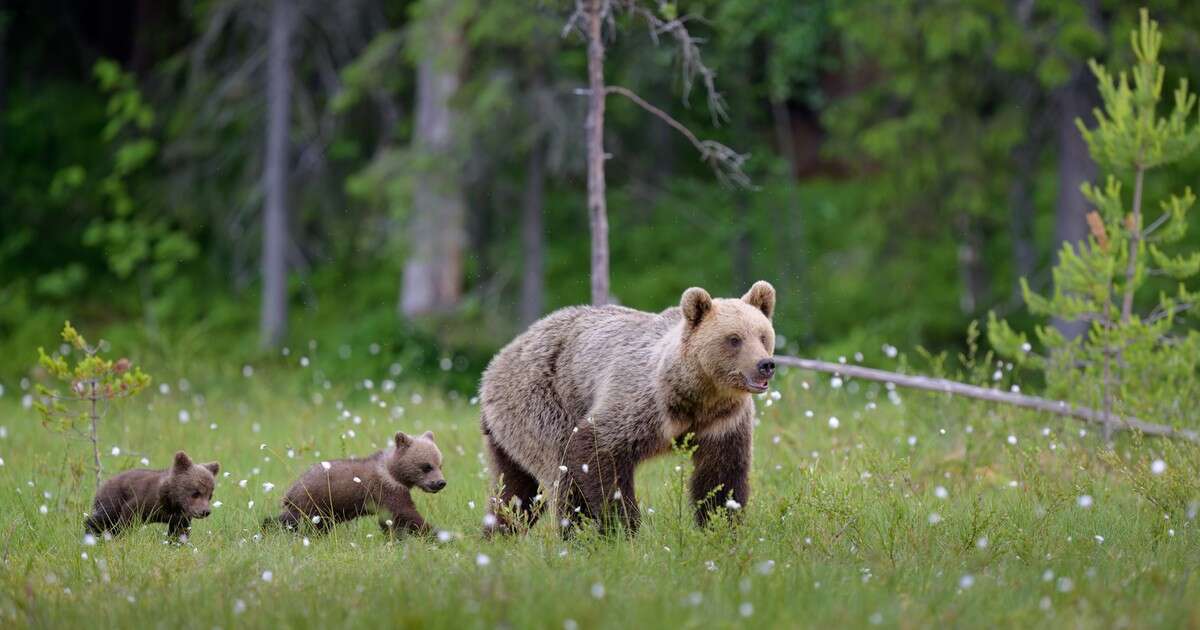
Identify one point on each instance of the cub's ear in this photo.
(183, 463)
(762, 297)
(403, 439)
(428, 435)
(695, 303)
(213, 467)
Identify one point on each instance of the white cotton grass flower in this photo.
(1158, 467)
(982, 543)
(695, 598)
(1084, 501)
(562, 469)
(710, 565)
(834, 422)
(482, 560)
(444, 536)
(268, 575)
(766, 567)
(912, 440)
(1026, 347)
(250, 505)
(89, 540)
(357, 480)
(934, 518)
(44, 509)
(239, 606)
(890, 351)
(941, 492)
(733, 505)
(967, 581)
(326, 465)
(242, 483)
(836, 382)
(598, 590)
(746, 609)
(584, 468)
(217, 504)
(316, 520)
(489, 520)
(268, 486)
(184, 416)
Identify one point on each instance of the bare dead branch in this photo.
(690, 60)
(726, 162)
(1061, 408)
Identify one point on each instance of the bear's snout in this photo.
(766, 368)
(435, 486)
(203, 513)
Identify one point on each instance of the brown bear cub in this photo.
(173, 496)
(575, 403)
(345, 489)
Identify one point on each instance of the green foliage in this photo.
(133, 237)
(93, 378)
(1141, 364)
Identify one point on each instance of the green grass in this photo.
(840, 530)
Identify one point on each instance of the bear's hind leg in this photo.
(513, 503)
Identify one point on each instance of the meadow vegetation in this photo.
(870, 506)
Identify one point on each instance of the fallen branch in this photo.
(929, 384)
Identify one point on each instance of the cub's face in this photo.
(417, 462)
(732, 340)
(190, 486)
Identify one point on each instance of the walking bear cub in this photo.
(173, 496)
(575, 403)
(345, 489)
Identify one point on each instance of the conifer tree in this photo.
(1129, 362)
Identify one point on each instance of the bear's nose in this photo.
(438, 485)
(204, 513)
(766, 367)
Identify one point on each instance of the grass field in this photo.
(915, 511)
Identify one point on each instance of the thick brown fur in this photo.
(607, 388)
(173, 496)
(350, 488)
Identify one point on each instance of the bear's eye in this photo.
(734, 341)
(764, 341)
(426, 468)
(196, 494)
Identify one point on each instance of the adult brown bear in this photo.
(575, 403)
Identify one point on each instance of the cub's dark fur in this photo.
(173, 496)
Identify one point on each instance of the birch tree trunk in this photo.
(597, 205)
(433, 271)
(273, 324)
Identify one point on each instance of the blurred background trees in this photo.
(412, 172)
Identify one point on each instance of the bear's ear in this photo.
(213, 467)
(762, 297)
(183, 463)
(694, 304)
(428, 435)
(402, 440)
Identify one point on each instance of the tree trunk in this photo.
(971, 267)
(1073, 100)
(791, 237)
(742, 244)
(597, 206)
(433, 271)
(533, 238)
(275, 175)
(1021, 212)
